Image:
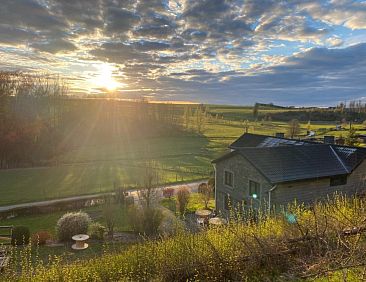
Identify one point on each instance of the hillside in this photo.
(326, 242)
(107, 143)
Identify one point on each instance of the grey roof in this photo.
(256, 140)
(350, 156)
(290, 163)
(282, 164)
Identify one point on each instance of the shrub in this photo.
(20, 235)
(168, 192)
(40, 238)
(71, 224)
(96, 231)
(146, 220)
(110, 216)
(183, 195)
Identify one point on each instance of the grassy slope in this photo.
(239, 252)
(95, 166)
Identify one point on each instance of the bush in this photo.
(183, 195)
(202, 187)
(110, 216)
(146, 220)
(96, 231)
(168, 192)
(40, 238)
(71, 224)
(20, 235)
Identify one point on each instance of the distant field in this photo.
(96, 166)
(96, 169)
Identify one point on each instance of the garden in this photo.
(113, 224)
(324, 243)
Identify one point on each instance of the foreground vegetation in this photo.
(325, 242)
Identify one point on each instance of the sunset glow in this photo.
(105, 78)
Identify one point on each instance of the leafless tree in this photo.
(149, 186)
(183, 196)
(293, 128)
(205, 191)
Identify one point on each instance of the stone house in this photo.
(264, 171)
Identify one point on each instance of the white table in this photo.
(80, 240)
(203, 213)
(217, 221)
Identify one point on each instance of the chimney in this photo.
(329, 139)
(280, 135)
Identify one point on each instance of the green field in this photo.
(99, 164)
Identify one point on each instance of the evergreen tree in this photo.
(255, 110)
(351, 138)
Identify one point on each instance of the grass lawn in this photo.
(48, 221)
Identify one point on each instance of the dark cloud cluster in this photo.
(205, 45)
(319, 76)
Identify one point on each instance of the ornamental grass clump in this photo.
(71, 224)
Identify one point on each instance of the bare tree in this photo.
(352, 138)
(293, 128)
(150, 180)
(205, 191)
(246, 125)
(200, 118)
(183, 196)
(110, 214)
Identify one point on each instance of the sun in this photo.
(105, 79)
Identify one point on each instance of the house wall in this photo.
(306, 191)
(315, 189)
(243, 172)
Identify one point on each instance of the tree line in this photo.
(31, 115)
(40, 121)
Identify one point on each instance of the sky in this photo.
(298, 52)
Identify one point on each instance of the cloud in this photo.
(254, 49)
(15, 36)
(88, 13)
(30, 14)
(351, 14)
(120, 20)
(320, 76)
(55, 46)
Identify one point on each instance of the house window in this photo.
(227, 202)
(254, 189)
(229, 178)
(338, 180)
